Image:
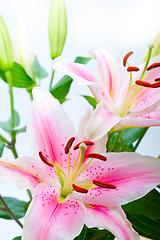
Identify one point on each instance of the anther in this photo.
(86, 142)
(44, 159)
(132, 69)
(157, 80)
(154, 65)
(79, 189)
(104, 185)
(143, 83)
(126, 57)
(96, 155)
(156, 84)
(69, 144)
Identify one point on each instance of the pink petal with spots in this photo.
(100, 123)
(19, 172)
(111, 71)
(112, 219)
(132, 174)
(49, 127)
(145, 120)
(48, 219)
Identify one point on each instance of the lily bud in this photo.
(22, 50)
(6, 54)
(156, 48)
(57, 27)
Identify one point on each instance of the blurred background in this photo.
(122, 24)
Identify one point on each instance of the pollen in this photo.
(44, 159)
(132, 69)
(126, 57)
(103, 184)
(69, 144)
(79, 189)
(96, 155)
(154, 65)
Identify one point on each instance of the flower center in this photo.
(139, 85)
(69, 181)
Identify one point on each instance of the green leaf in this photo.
(17, 238)
(16, 206)
(82, 60)
(26, 205)
(61, 89)
(7, 126)
(2, 144)
(96, 234)
(130, 135)
(149, 205)
(19, 77)
(92, 101)
(144, 214)
(145, 226)
(39, 71)
(82, 234)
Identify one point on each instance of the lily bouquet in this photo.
(87, 183)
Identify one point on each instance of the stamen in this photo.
(147, 84)
(132, 69)
(157, 79)
(156, 85)
(143, 83)
(126, 57)
(104, 185)
(96, 155)
(69, 144)
(45, 160)
(86, 142)
(154, 65)
(79, 189)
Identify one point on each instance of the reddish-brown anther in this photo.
(126, 57)
(96, 155)
(156, 85)
(44, 159)
(154, 65)
(143, 83)
(69, 144)
(157, 79)
(132, 69)
(79, 189)
(86, 142)
(103, 184)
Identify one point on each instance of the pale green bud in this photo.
(6, 54)
(57, 27)
(22, 50)
(156, 48)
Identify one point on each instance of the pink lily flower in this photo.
(133, 103)
(73, 180)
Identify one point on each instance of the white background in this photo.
(123, 24)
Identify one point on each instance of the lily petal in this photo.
(18, 172)
(46, 129)
(132, 174)
(48, 219)
(100, 123)
(112, 219)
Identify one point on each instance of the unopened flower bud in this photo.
(57, 27)
(22, 50)
(6, 54)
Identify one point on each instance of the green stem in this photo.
(8, 76)
(14, 151)
(147, 61)
(139, 140)
(4, 139)
(10, 213)
(115, 142)
(50, 86)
